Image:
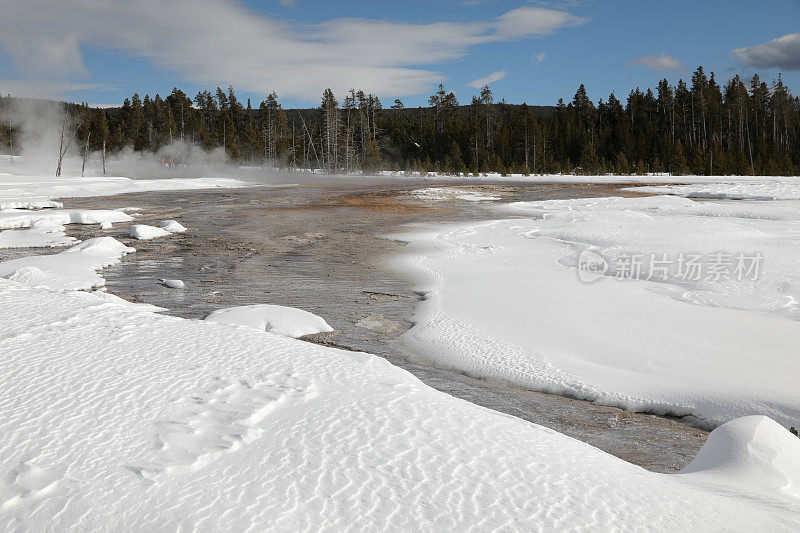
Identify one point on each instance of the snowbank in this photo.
(24, 218)
(38, 191)
(46, 227)
(505, 301)
(753, 454)
(73, 269)
(286, 321)
(741, 189)
(172, 226)
(120, 419)
(144, 232)
(42, 234)
(167, 227)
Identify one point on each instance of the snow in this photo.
(46, 227)
(173, 283)
(29, 204)
(167, 227)
(24, 218)
(122, 419)
(42, 233)
(286, 321)
(452, 193)
(763, 188)
(73, 269)
(144, 232)
(38, 191)
(752, 453)
(651, 178)
(504, 301)
(172, 226)
(117, 418)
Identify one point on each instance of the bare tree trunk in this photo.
(61, 146)
(62, 149)
(85, 155)
(311, 139)
(104, 158)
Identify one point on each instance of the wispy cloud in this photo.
(540, 57)
(486, 80)
(783, 53)
(659, 63)
(43, 89)
(221, 41)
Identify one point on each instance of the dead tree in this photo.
(85, 155)
(62, 149)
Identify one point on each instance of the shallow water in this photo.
(320, 248)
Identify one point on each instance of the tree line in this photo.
(698, 127)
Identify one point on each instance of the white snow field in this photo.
(41, 234)
(278, 319)
(37, 191)
(120, 419)
(116, 418)
(505, 301)
(740, 189)
(73, 269)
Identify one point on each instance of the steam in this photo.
(39, 123)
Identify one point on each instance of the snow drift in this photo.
(504, 300)
(286, 321)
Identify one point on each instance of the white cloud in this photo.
(783, 52)
(42, 89)
(659, 62)
(486, 80)
(217, 42)
(529, 21)
(540, 57)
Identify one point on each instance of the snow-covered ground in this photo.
(117, 418)
(38, 191)
(278, 319)
(692, 308)
(744, 188)
(570, 178)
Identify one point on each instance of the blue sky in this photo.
(536, 51)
